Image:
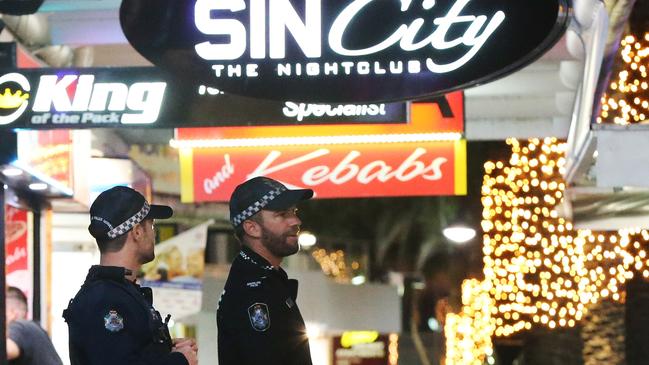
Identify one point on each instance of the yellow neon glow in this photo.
(352, 338)
(316, 140)
(538, 269)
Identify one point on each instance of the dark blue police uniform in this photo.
(112, 321)
(258, 319)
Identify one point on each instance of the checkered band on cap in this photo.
(257, 206)
(130, 223)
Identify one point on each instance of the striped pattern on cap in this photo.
(257, 206)
(130, 223)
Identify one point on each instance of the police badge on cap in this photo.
(259, 317)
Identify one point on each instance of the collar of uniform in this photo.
(248, 255)
(99, 272)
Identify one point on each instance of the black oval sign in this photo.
(343, 50)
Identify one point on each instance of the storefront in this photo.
(354, 147)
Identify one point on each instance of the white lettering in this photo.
(147, 98)
(313, 69)
(144, 99)
(447, 31)
(229, 27)
(116, 93)
(53, 92)
(221, 176)
(347, 170)
(341, 24)
(258, 29)
(303, 111)
(307, 35)
(405, 35)
(19, 253)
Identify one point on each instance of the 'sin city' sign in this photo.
(343, 50)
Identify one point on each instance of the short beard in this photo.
(145, 259)
(278, 244)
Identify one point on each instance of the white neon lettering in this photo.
(258, 29)
(221, 176)
(414, 166)
(83, 93)
(472, 39)
(53, 92)
(273, 20)
(142, 99)
(303, 111)
(146, 97)
(341, 24)
(283, 16)
(113, 94)
(231, 27)
(405, 34)
(264, 167)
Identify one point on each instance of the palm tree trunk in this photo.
(637, 321)
(544, 346)
(603, 334)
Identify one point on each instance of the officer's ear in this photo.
(137, 232)
(251, 228)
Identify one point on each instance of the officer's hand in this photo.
(186, 342)
(189, 354)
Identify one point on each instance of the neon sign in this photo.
(346, 50)
(145, 97)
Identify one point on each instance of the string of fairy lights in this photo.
(624, 102)
(538, 269)
(469, 332)
(334, 265)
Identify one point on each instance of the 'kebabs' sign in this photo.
(343, 50)
(333, 171)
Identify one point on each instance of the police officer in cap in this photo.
(258, 319)
(111, 319)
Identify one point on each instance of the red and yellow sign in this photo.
(49, 153)
(446, 116)
(17, 249)
(333, 171)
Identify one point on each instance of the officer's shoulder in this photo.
(248, 280)
(103, 290)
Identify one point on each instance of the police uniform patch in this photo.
(259, 317)
(290, 303)
(113, 322)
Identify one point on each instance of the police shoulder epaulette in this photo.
(254, 284)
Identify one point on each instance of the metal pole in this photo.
(3, 303)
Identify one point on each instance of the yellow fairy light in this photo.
(468, 333)
(333, 264)
(541, 270)
(625, 101)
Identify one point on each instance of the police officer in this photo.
(111, 320)
(258, 319)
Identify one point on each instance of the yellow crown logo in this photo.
(9, 100)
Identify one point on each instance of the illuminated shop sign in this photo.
(143, 97)
(441, 118)
(332, 171)
(343, 50)
(77, 98)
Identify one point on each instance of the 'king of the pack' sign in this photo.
(343, 50)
